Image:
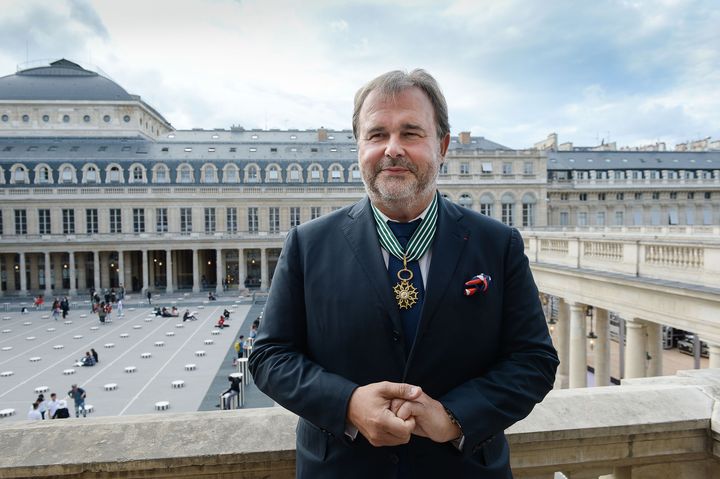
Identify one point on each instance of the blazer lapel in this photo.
(448, 246)
(361, 234)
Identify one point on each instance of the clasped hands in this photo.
(387, 414)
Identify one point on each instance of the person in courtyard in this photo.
(78, 396)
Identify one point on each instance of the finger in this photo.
(410, 409)
(395, 405)
(399, 390)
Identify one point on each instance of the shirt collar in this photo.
(420, 216)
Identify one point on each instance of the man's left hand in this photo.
(431, 419)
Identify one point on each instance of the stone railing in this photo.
(693, 259)
(667, 427)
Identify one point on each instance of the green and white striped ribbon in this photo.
(420, 241)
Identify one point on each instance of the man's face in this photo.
(398, 149)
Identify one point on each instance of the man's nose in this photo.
(394, 147)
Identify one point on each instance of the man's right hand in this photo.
(369, 411)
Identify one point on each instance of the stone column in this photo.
(714, 350)
(23, 275)
(196, 272)
(82, 270)
(96, 270)
(33, 266)
(168, 271)
(121, 268)
(73, 278)
(10, 264)
(264, 280)
(219, 271)
(635, 350)
(128, 274)
(145, 270)
(578, 345)
(654, 349)
(242, 269)
(563, 339)
(48, 277)
(602, 347)
(59, 267)
(105, 271)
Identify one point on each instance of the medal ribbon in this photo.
(420, 241)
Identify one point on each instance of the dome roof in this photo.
(61, 80)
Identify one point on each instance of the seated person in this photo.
(62, 410)
(221, 323)
(174, 312)
(188, 316)
(39, 301)
(88, 360)
(165, 313)
(157, 311)
(233, 390)
(211, 296)
(226, 314)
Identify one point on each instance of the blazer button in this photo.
(394, 458)
(396, 336)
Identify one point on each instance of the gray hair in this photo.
(394, 82)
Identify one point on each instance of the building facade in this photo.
(100, 191)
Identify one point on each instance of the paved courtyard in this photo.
(147, 358)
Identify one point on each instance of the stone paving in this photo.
(148, 358)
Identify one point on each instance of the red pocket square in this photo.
(479, 283)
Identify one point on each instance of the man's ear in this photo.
(444, 144)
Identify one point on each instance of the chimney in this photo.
(322, 134)
(464, 137)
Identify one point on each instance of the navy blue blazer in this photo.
(331, 324)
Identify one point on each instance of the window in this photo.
(486, 204)
(252, 174)
(528, 210)
(138, 220)
(91, 221)
(44, 221)
(507, 210)
(114, 175)
(91, 175)
(315, 173)
(115, 220)
(185, 174)
(185, 221)
(528, 168)
(43, 175)
(231, 174)
(294, 216)
(336, 175)
(601, 196)
(20, 222)
(600, 218)
(507, 168)
(314, 212)
(486, 167)
(582, 196)
(20, 176)
(294, 174)
(231, 220)
(656, 195)
(274, 215)
(707, 195)
(619, 175)
(464, 168)
(68, 218)
(619, 218)
(465, 200)
(210, 176)
(691, 195)
(273, 174)
(161, 220)
(355, 174)
(67, 175)
(564, 218)
(582, 218)
(564, 196)
(137, 173)
(638, 196)
(209, 220)
(620, 196)
(161, 174)
(252, 218)
(673, 195)
(444, 169)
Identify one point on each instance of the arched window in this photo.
(185, 174)
(528, 210)
(486, 204)
(507, 213)
(90, 174)
(294, 173)
(113, 174)
(465, 200)
(67, 174)
(273, 173)
(18, 174)
(336, 173)
(355, 173)
(42, 174)
(315, 173)
(230, 174)
(252, 174)
(161, 173)
(209, 174)
(138, 174)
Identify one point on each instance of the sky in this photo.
(513, 71)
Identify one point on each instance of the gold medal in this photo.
(406, 294)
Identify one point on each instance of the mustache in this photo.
(394, 162)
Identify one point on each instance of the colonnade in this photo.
(143, 269)
(640, 344)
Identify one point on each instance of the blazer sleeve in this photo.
(525, 370)
(280, 362)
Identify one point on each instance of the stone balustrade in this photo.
(663, 427)
(693, 259)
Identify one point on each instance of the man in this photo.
(78, 395)
(53, 405)
(369, 334)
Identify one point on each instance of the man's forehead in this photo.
(410, 99)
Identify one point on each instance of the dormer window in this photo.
(114, 175)
(137, 174)
(43, 175)
(91, 175)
